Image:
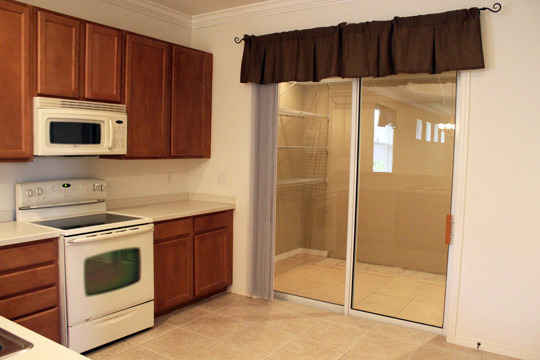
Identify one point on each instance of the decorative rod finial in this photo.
(238, 40)
(496, 8)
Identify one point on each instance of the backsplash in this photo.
(125, 179)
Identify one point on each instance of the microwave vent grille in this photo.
(44, 103)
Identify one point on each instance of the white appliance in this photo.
(106, 260)
(65, 127)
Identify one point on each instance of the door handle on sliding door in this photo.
(448, 229)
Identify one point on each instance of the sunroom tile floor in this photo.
(392, 291)
(233, 327)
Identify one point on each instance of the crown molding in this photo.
(150, 8)
(272, 7)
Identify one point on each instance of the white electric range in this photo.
(106, 260)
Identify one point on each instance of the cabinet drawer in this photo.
(46, 323)
(21, 256)
(213, 221)
(29, 303)
(172, 229)
(21, 281)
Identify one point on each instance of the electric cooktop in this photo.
(77, 222)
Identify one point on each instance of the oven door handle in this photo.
(111, 234)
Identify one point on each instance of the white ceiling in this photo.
(197, 7)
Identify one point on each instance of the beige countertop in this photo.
(174, 210)
(43, 349)
(15, 232)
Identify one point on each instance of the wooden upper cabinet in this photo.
(148, 95)
(103, 58)
(15, 93)
(58, 49)
(191, 113)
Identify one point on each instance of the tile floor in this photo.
(233, 327)
(405, 294)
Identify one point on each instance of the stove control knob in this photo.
(29, 193)
(38, 191)
(95, 187)
(101, 187)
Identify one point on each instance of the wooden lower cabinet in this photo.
(46, 323)
(211, 259)
(29, 286)
(173, 273)
(192, 259)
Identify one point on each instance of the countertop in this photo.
(43, 349)
(174, 210)
(15, 232)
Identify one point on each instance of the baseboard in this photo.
(497, 348)
(297, 251)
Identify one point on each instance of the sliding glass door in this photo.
(404, 182)
(313, 157)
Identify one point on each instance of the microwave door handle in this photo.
(111, 134)
(111, 234)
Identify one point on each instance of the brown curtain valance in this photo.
(419, 44)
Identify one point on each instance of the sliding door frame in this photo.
(457, 209)
(458, 212)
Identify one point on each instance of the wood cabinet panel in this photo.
(191, 111)
(46, 323)
(29, 303)
(212, 221)
(29, 286)
(173, 273)
(103, 59)
(211, 261)
(27, 280)
(15, 93)
(148, 83)
(171, 229)
(58, 61)
(30, 254)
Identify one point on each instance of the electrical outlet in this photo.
(222, 179)
(169, 178)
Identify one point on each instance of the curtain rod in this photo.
(496, 8)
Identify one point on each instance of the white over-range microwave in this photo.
(78, 128)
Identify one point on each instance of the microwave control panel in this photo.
(119, 142)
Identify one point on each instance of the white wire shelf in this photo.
(309, 148)
(300, 181)
(301, 114)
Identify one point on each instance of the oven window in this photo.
(62, 132)
(112, 270)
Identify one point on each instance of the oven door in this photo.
(108, 271)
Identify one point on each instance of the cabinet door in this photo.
(58, 55)
(148, 94)
(191, 111)
(15, 98)
(173, 273)
(211, 261)
(103, 63)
